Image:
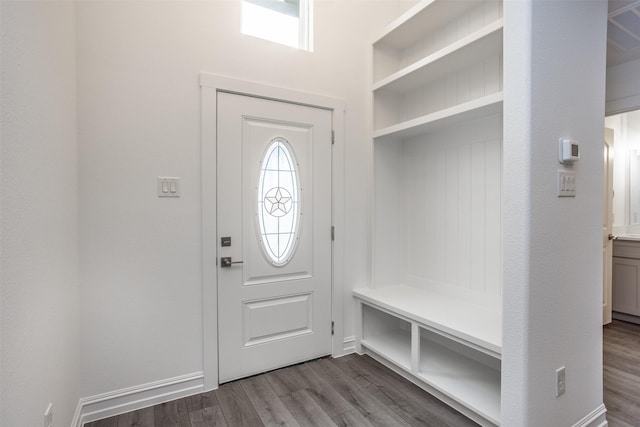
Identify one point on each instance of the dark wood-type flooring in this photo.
(348, 391)
(622, 374)
(358, 391)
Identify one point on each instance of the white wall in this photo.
(39, 261)
(554, 87)
(139, 118)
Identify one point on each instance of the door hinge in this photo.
(332, 327)
(333, 233)
(333, 137)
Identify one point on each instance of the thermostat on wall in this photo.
(569, 151)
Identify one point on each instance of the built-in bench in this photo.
(446, 343)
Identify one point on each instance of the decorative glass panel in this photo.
(278, 202)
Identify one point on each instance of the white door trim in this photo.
(210, 85)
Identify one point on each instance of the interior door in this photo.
(274, 234)
(607, 227)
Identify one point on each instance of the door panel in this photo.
(277, 318)
(274, 203)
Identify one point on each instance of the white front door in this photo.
(607, 227)
(274, 234)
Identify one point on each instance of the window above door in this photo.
(287, 22)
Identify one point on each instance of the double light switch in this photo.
(168, 186)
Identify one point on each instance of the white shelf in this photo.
(417, 21)
(395, 348)
(473, 325)
(468, 50)
(469, 382)
(470, 110)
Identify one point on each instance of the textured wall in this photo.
(554, 87)
(39, 260)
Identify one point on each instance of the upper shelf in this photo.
(483, 43)
(414, 24)
(476, 108)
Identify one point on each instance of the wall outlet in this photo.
(48, 416)
(561, 384)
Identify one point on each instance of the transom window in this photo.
(278, 202)
(288, 22)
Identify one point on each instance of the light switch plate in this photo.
(566, 184)
(168, 186)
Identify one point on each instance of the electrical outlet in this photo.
(48, 416)
(561, 384)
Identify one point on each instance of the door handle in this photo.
(226, 262)
(612, 237)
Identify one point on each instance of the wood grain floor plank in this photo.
(168, 415)
(107, 422)
(397, 403)
(379, 419)
(200, 401)
(326, 396)
(285, 381)
(305, 410)
(271, 410)
(409, 401)
(621, 373)
(141, 418)
(351, 419)
(358, 398)
(210, 416)
(236, 407)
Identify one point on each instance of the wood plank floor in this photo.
(358, 391)
(621, 361)
(349, 391)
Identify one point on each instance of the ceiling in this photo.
(623, 31)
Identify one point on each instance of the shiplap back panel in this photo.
(388, 59)
(472, 82)
(481, 14)
(450, 210)
(388, 238)
(453, 188)
(479, 79)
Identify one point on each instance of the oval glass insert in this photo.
(278, 202)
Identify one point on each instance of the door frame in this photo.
(210, 85)
(607, 267)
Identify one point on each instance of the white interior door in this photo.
(607, 227)
(274, 234)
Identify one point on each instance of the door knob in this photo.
(226, 262)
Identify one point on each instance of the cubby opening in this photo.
(387, 335)
(467, 375)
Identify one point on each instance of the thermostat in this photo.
(569, 151)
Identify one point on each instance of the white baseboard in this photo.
(597, 418)
(129, 399)
(349, 345)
